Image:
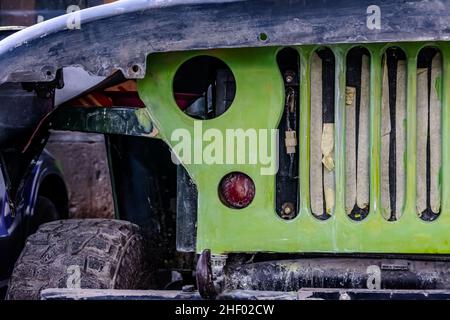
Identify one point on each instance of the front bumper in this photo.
(249, 295)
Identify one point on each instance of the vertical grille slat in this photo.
(362, 175)
(445, 151)
(316, 171)
(400, 130)
(411, 135)
(435, 132)
(422, 134)
(350, 151)
(339, 102)
(304, 134)
(385, 142)
(375, 131)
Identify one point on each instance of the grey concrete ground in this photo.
(82, 157)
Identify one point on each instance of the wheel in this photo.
(88, 254)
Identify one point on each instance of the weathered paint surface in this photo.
(35, 53)
(259, 104)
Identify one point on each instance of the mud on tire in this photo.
(89, 253)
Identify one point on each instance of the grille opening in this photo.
(204, 87)
(429, 135)
(393, 133)
(322, 175)
(357, 128)
(287, 176)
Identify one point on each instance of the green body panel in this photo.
(259, 103)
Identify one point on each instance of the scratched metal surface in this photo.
(120, 35)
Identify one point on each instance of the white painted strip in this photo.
(350, 149)
(328, 170)
(400, 139)
(435, 133)
(316, 178)
(363, 165)
(385, 137)
(422, 134)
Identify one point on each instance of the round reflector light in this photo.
(236, 190)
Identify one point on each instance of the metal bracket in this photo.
(46, 90)
(210, 275)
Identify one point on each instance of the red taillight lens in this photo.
(237, 190)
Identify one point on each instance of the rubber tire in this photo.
(109, 254)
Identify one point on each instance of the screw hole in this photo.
(263, 37)
(48, 73)
(135, 68)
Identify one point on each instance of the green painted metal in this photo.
(259, 104)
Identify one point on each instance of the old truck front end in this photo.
(311, 139)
